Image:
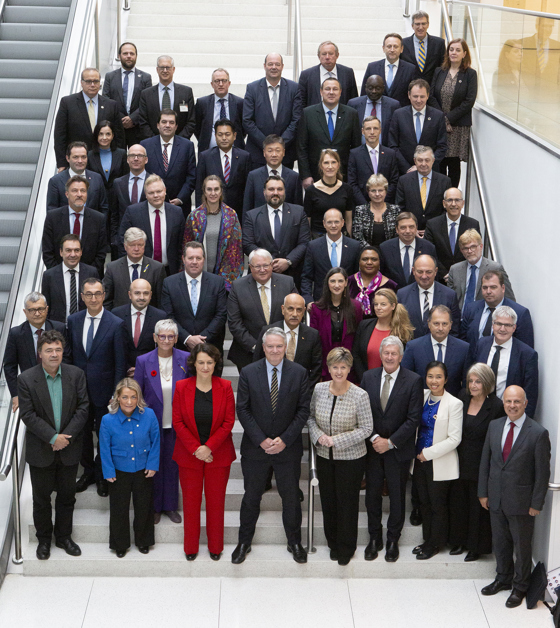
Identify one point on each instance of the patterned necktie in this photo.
(291, 352)
(495, 365)
(424, 191)
(38, 333)
(277, 228)
(135, 272)
(274, 390)
(453, 237)
(422, 56)
(91, 114)
(134, 195)
(426, 310)
(137, 329)
(89, 339)
(227, 168)
(157, 238)
(274, 101)
(165, 157)
(265, 306)
(439, 352)
(330, 125)
(73, 292)
(166, 100)
(509, 442)
(373, 110)
(487, 331)
(406, 262)
(334, 257)
(125, 89)
(274, 172)
(471, 288)
(540, 57)
(76, 230)
(418, 126)
(373, 161)
(390, 75)
(194, 296)
(223, 115)
(385, 391)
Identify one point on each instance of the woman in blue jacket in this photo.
(129, 444)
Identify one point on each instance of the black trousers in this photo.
(44, 480)
(255, 473)
(451, 166)
(434, 504)
(339, 488)
(91, 461)
(378, 468)
(469, 522)
(142, 490)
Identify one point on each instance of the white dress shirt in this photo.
(140, 183)
(87, 322)
(278, 170)
(392, 381)
(411, 250)
(72, 217)
(338, 248)
(270, 89)
(518, 425)
(198, 280)
(422, 113)
(163, 226)
(223, 160)
(271, 217)
(71, 173)
(267, 291)
(430, 291)
(505, 355)
(134, 312)
(484, 318)
(128, 95)
(288, 331)
(395, 68)
(376, 151)
(443, 344)
(428, 183)
(333, 117)
(169, 148)
(171, 92)
(457, 223)
(216, 116)
(325, 74)
(95, 103)
(131, 264)
(66, 276)
(35, 337)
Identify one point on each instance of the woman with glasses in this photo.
(157, 372)
(376, 222)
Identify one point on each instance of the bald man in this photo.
(513, 480)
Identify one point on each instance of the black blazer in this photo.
(359, 348)
(149, 110)
(119, 167)
(112, 88)
(401, 417)
(254, 410)
(391, 265)
(406, 73)
(36, 411)
(94, 237)
(313, 136)
(360, 170)
(204, 129)
(96, 195)
(388, 106)
(409, 199)
(434, 57)
(309, 351)
(122, 201)
(53, 289)
(310, 85)
(146, 341)
(138, 216)
(117, 281)
(72, 124)
(464, 95)
(436, 233)
(402, 136)
(254, 189)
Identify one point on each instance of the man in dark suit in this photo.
(135, 265)
(97, 346)
(477, 316)
(445, 230)
(79, 113)
(167, 95)
(254, 301)
(396, 397)
(278, 227)
(375, 104)
(124, 86)
(421, 191)
(163, 224)
(272, 406)
(61, 283)
(327, 125)
(311, 80)
(229, 163)
(425, 51)
(53, 440)
(322, 254)
(196, 301)
(272, 105)
(80, 220)
(140, 319)
(513, 481)
(417, 125)
(76, 156)
(21, 346)
(514, 363)
(219, 105)
(397, 73)
(398, 254)
(439, 345)
(172, 158)
(421, 296)
(362, 163)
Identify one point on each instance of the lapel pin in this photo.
(460, 81)
(429, 118)
(102, 107)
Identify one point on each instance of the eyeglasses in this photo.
(470, 248)
(164, 338)
(164, 68)
(504, 325)
(453, 200)
(135, 156)
(220, 81)
(91, 81)
(92, 295)
(261, 267)
(36, 310)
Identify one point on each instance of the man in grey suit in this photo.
(513, 480)
(469, 289)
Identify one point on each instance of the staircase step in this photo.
(36, 14)
(33, 32)
(46, 50)
(17, 108)
(25, 69)
(6, 276)
(24, 152)
(40, 3)
(4, 296)
(26, 87)
(9, 248)
(29, 130)
(12, 222)
(14, 200)
(19, 175)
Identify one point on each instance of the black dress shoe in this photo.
(427, 553)
(298, 552)
(121, 554)
(418, 549)
(471, 557)
(300, 494)
(43, 551)
(215, 556)
(373, 548)
(240, 553)
(495, 587)
(191, 557)
(515, 598)
(392, 553)
(334, 555)
(344, 561)
(69, 547)
(143, 549)
(84, 482)
(174, 516)
(416, 517)
(157, 517)
(102, 488)
(456, 550)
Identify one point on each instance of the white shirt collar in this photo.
(162, 141)
(189, 278)
(418, 41)
(339, 241)
(325, 72)
(98, 316)
(506, 345)
(393, 375)
(402, 245)
(229, 154)
(388, 63)
(269, 84)
(162, 86)
(376, 149)
(131, 263)
(218, 98)
(71, 211)
(429, 290)
(278, 170)
(142, 175)
(287, 330)
(271, 210)
(422, 111)
(75, 174)
(153, 209)
(67, 269)
(450, 222)
(487, 307)
(443, 343)
(267, 285)
(135, 311)
(123, 70)
(518, 423)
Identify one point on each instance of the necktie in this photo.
(91, 114)
(423, 191)
(330, 124)
(373, 161)
(439, 352)
(334, 257)
(135, 271)
(274, 172)
(426, 306)
(157, 238)
(422, 56)
(274, 389)
(166, 100)
(487, 331)
(471, 288)
(277, 228)
(194, 296)
(453, 237)
(373, 110)
(89, 339)
(223, 114)
(165, 157)
(38, 334)
(385, 391)
(291, 352)
(418, 127)
(274, 102)
(265, 307)
(540, 57)
(125, 89)
(390, 75)
(406, 262)
(496, 362)
(509, 442)
(134, 195)
(76, 230)
(73, 292)
(227, 168)
(137, 329)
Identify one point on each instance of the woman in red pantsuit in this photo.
(203, 417)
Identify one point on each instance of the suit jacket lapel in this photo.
(254, 288)
(267, 104)
(59, 285)
(263, 376)
(367, 160)
(43, 393)
(83, 109)
(427, 125)
(344, 253)
(185, 292)
(323, 122)
(102, 329)
(377, 390)
(394, 393)
(340, 123)
(67, 394)
(521, 437)
(415, 306)
(287, 221)
(29, 342)
(262, 219)
(153, 365)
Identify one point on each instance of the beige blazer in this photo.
(448, 429)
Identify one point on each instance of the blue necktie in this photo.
(471, 288)
(223, 114)
(125, 90)
(277, 228)
(418, 127)
(135, 271)
(330, 124)
(439, 353)
(89, 340)
(334, 258)
(406, 263)
(390, 76)
(453, 237)
(194, 296)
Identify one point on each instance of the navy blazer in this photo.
(318, 263)
(258, 121)
(122, 201)
(388, 107)
(420, 352)
(112, 88)
(409, 296)
(391, 265)
(523, 368)
(53, 289)
(204, 128)
(310, 85)
(438, 234)
(119, 167)
(406, 73)
(434, 57)
(149, 110)
(96, 194)
(360, 170)
(402, 136)
(409, 199)
(180, 177)
(254, 189)
(471, 322)
(464, 95)
(106, 364)
(138, 216)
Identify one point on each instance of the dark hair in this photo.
(128, 43)
(331, 78)
(77, 178)
(405, 216)
(465, 62)
(210, 350)
(49, 337)
(75, 145)
(167, 112)
(369, 247)
(419, 83)
(273, 177)
(499, 274)
(224, 122)
(346, 305)
(97, 131)
(193, 244)
(395, 35)
(89, 282)
(273, 139)
(441, 309)
(70, 237)
(436, 364)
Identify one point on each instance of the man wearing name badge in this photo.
(425, 51)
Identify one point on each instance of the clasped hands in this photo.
(326, 441)
(273, 446)
(149, 473)
(62, 441)
(204, 453)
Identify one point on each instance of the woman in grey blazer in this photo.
(339, 422)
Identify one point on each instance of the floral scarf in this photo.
(365, 291)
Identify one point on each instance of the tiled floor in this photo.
(257, 603)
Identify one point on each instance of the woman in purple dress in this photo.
(366, 282)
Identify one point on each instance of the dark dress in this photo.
(317, 202)
(354, 291)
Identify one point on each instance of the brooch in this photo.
(145, 269)
(154, 373)
(429, 118)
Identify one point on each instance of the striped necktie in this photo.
(426, 306)
(422, 56)
(227, 168)
(274, 390)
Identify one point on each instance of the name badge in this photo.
(183, 107)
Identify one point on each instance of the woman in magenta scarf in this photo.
(366, 282)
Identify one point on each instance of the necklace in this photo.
(329, 185)
(213, 213)
(433, 403)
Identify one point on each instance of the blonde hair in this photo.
(329, 152)
(127, 382)
(470, 235)
(401, 327)
(486, 376)
(340, 354)
(377, 180)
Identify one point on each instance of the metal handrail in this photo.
(312, 483)
(9, 462)
(470, 22)
(478, 5)
(289, 39)
(553, 486)
(298, 47)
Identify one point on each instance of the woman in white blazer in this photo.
(437, 462)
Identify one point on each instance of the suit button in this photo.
(131, 432)
(132, 445)
(133, 458)
(129, 420)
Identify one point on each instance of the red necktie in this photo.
(227, 169)
(165, 157)
(134, 195)
(157, 237)
(373, 111)
(509, 442)
(137, 329)
(76, 224)
(38, 334)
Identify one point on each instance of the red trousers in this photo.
(214, 480)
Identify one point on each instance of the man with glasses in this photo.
(97, 346)
(79, 113)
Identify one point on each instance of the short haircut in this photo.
(406, 216)
(167, 112)
(166, 324)
(70, 237)
(153, 178)
(434, 260)
(50, 337)
(470, 235)
(76, 179)
(339, 354)
(331, 78)
(134, 233)
(395, 35)
(273, 177)
(274, 331)
(273, 139)
(418, 15)
(495, 273)
(33, 297)
(436, 364)
(260, 253)
(193, 244)
(73, 145)
(89, 70)
(210, 350)
(389, 341)
(275, 53)
(335, 209)
(97, 130)
(440, 309)
(224, 122)
(419, 83)
(132, 384)
(377, 180)
(165, 57)
(420, 150)
(486, 376)
(445, 193)
(505, 310)
(91, 281)
(128, 43)
(220, 70)
(370, 119)
(327, 43)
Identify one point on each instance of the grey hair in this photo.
(391, 340)
(274, 331)
(33, 297)
(165, 57)
(261, 253)
(166, 325)
(327, 43)
(420, 150)
(505, 310)
(486, 376)
(449, 190)
(377, 180)
(134, 233)
(418, 15)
